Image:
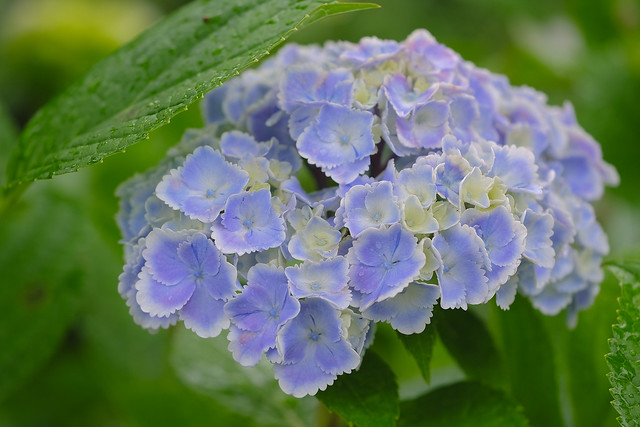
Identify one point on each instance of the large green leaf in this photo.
(155, 77)
(421, 348)
(468, 341)
(208, 367)
(530, 363)
(624, 358)
(41, 260)
(579, 356)
(463, 404)
(367, 397)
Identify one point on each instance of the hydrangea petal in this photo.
(408, 312)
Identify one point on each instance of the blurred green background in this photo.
(73, 355)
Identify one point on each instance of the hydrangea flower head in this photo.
(453, 188)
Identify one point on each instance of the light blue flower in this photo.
(314, 350)
(338, 136)
(370, 206)
(464, 261)
(248, 224)
(382, 262)
(402, 96)
(184, 273)
(408, 312)
(202, 185)
(310, 86)
(426, 127)
(258, 313)
(127, 289)
(325, 279)
(504, 240)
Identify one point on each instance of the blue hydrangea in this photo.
(453, 188)
(259, 312)
(249, 223)
(184, 273)
(383, 262)
(313, 349)
(200, 188)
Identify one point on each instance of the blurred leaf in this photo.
(529, 360)
(463, 404)
(579, 357)
(155, 77)
(208, 367)
(468, 341)
(8, 135)
(367, 397)
(624, 358)
(421, 348)
(41, 259)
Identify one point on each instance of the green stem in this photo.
(9, 196)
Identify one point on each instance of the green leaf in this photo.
(468, 341)
(208, 367)
(579, 356)
(463, 404)
(8, 136)
(624, 358)
(155, 77)
(530, 364)
(367, 397)
(421, 348)
(41, 259)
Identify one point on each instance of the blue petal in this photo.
(408, 312)
(161, 300)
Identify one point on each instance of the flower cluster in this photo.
(434, 182)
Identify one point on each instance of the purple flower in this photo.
(202, 185)
(185, 273)
(248, 224)
(258, 313)
(383, 262)
(314, 350)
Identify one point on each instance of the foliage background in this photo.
(73, 355)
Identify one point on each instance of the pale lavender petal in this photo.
(161, 256)
(461, 277)
(158, 299)
(339, 135)
(323, 279)
(538, 244)
(203, 314)
(408, 312)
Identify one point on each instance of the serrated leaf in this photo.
(367, 397)
(421, 348)
(624, 359)
(463, 404)
(155, 77)
(530, 364)
(207, 366)
(469, 342)
(41, 259)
